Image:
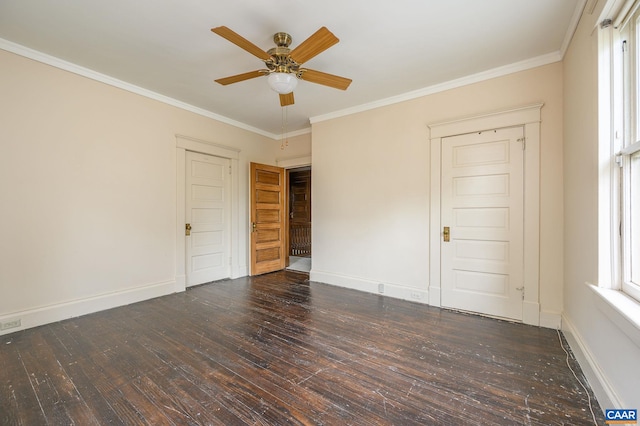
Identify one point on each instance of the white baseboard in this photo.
(48, 314)
(604, 392)
(531, 314)
(551, 320)
(406, 293)
(369, 286)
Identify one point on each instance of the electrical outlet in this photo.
(380, 288)
(10, 324)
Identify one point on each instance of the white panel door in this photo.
(207, 211)
(482, 204)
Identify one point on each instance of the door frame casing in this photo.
(287, 164)
(184, 144)
(529, 118)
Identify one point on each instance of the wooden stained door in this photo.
(267, 219)
(482, 206)
(300, 212)
(208, 213)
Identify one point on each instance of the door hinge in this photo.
(524, 143)
(521, 289)
(229, 169)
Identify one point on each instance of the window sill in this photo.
(621, 309)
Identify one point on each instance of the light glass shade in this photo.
(282, 82)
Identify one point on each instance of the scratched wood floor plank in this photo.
(18, 400)
(245, 392)
(262, 351)
(368, 378)
(269, 374)
(57, 397)
(87, 358)
(439, 390)
(228, 372)
(309, 369)
(529, 333)
(349, 380)
(76, 355)
(276, 349)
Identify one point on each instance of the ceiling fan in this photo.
(283, 64)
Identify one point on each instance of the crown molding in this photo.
(453, 84)
(103, 78)
(573, 25)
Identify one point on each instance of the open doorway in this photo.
(299, 241)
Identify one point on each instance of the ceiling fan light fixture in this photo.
(282, 82)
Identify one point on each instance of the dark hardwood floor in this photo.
(276, 350)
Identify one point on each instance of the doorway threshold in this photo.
(300, 264)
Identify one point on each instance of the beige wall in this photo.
(371, 184)
(296, 150)
(88, 190)
(608, 356)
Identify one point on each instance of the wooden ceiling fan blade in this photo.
(317, 43)
(286, 99)
(240, 77)
(325, 79)
(241, 42)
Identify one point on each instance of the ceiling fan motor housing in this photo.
(280, 60)
(282, 39)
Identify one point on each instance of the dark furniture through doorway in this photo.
(300, 212)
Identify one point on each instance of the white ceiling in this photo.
(391, 50)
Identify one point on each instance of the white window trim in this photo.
(628, 287)
(608, 194)
(621, 309)
(618, 306)
(626, 77)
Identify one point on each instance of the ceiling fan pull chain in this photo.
(286, 126)
(284, 138)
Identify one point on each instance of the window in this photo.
(630, 178)
(622, 40)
